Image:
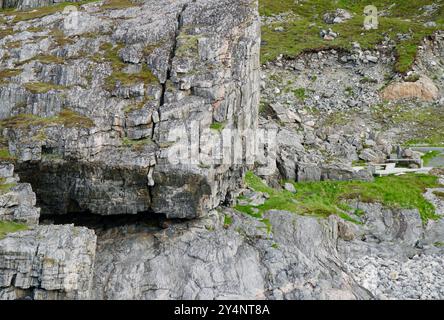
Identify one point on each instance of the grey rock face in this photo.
(204, 260)
(47, 262)
(17, 200)
(136, 86)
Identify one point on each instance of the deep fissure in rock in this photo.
(149, 220)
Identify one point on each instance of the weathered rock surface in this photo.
(17, 200)
(47, 262)
(111, 93)
(204, 260)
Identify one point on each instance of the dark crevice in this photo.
(168, 78)
(103, 223)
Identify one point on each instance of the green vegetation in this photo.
(118, 4)
(35, 29)
(426, 125)
(330, 197)
(337, 118)
(134, 107)
(5, 155)
(359, 163)
(301, 32)
(42, 11)
(13, 44)
(412, 78)
(60, 38)
(8, 73)
(49, 59)
(6, 32)
(136, 144)
(66, 117)
(228, 221)
(5, 187)
(187, 44)
(112, 56)
(300, 94)
(10, 227)
(368, 80)
(439, 194)
(42, 87)
(429, 156)
(217, 126)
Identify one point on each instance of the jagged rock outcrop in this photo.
(47, 262)
(17, 200)
(210, 259)
(97, 105)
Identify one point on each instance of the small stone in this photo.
(290, 187)
(372, 58)
(430, 24)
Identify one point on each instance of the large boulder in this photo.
(423, 89)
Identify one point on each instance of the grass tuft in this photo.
(66, 117)
(7, 227)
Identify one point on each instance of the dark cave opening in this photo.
(96, 222)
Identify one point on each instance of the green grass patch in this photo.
(49, 59)
(118, 4)
(6, 32)
(228, 221)
(42, 11)
(188, 45)
(136, 144)
(5, 187)
(330, 197)
(10, 227)
(8, 73)
(42, 87)
(217, 126)
(118, 75)
(300, 94)
(5, 155)
(66, 117)
(359, 163)
(423, 126)
(429, 156)
(134, 107)
(302, 33)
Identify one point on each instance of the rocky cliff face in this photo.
(118, 113)
(47, 263)
(106, 95)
